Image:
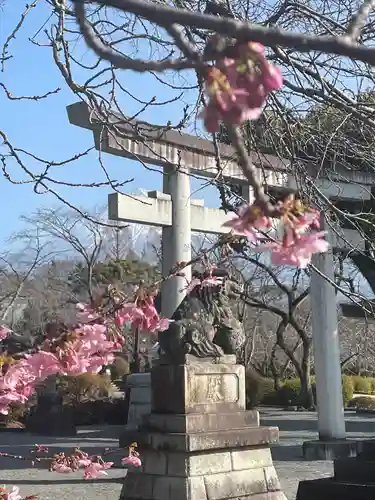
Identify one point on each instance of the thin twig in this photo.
(242, 31)
(11, 97)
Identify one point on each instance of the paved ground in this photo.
(295, 428)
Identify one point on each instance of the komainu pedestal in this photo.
(199, 443)
(354, 478)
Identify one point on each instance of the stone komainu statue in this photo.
(204, 324)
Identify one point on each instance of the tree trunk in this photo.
(307, 396)
(275, 373)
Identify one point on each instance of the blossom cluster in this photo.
(14, 494)
(238, 87)
(141, 313)
(204, 281)
(93, 466)
(85, 348)
(299, 242)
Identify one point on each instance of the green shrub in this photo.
(111, 412)
(352, 403)
(257, 389)
(372, 384)
(361, 384)
(84, 387)
(347, 389)
(17, 413)
(289, 394)
(119, 369)
(364, 403)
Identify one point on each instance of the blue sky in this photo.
(42, 127)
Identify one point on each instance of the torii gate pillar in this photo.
(176, 240)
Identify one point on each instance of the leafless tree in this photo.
(16, 270)
(70, 235)
(324, 49)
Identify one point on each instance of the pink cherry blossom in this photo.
(85, 313)
(84, 462)
(133, 460)
(298, 253)
(40, 448)
(4, 332)
(141, 314)
(89, 351)
(8, 398)
(238, 88)
(248, 221)
(61, 468)
(13, 495)
(211, 281)
(309, 219)
(190, 285)
(96, 469)
(41, 364)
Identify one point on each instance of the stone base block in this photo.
(366, 449)
(354, 470)
(189, 359)
(229, 474)
(202, 441)
(199, 422)
(198, 387)
(139, 385)
(170, 463)
(329, 450)
(330, 489)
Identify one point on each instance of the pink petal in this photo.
(251, 114)
(163, 324)
(4, 332)
(131, 460)
(62, 469)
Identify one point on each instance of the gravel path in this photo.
(51, 486)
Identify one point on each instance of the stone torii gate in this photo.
(181, 154)
(178, 155)
(160, 210)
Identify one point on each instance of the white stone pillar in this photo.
(176, 241)
(247, 193)
(331, 421)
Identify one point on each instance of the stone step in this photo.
(201, 422)
(248, 436)
(200, 463)
(354, 470)
(366, 449)
(257, 484)
(330, 489)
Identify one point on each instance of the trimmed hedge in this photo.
(111, 412)
(119, 368)
(363, 403)
(260, 390)
(289, 394)
(85, 387)
(347, 389)
(362, 384)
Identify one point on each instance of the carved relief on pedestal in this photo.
(214, 388)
